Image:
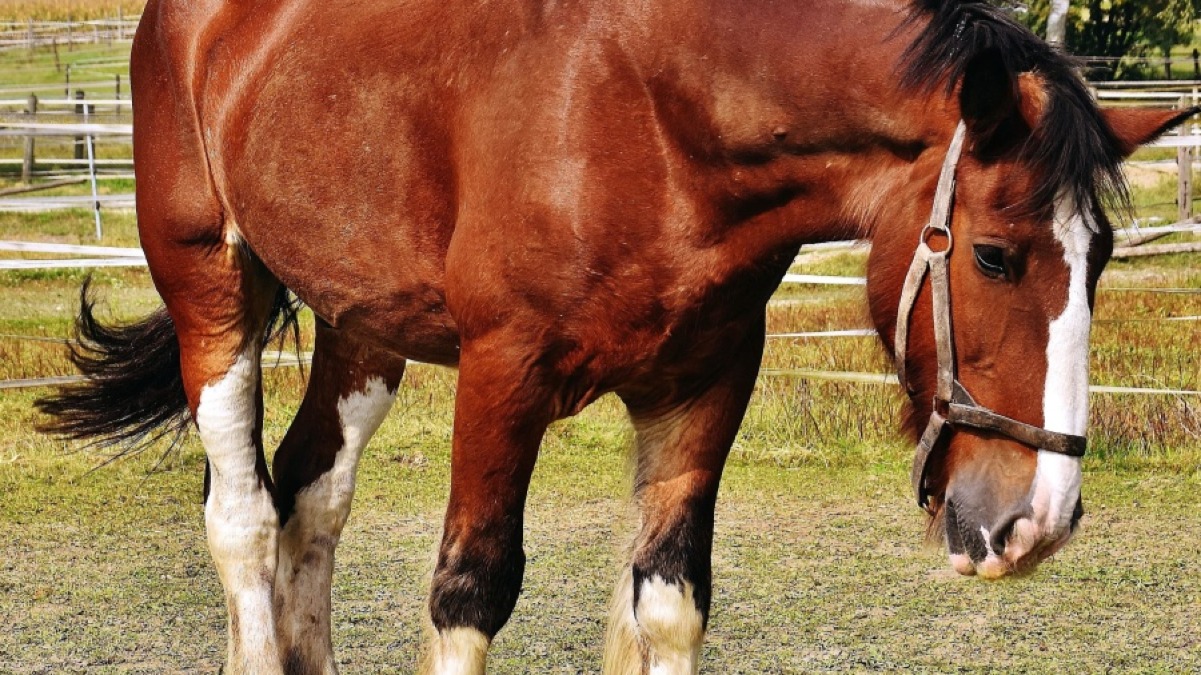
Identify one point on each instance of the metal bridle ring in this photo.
(929, 229)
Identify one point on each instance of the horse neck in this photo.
(807, 125)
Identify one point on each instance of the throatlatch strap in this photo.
(925, 446)
(913, 284)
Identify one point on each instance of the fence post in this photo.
(67, 88)
(80, 150)
(1184, 196)
(1167, 66)
(29, 24)
(1184, 167)
(31, 109)
(1196, 64)
(1194, 130)
(120, 22)
(70, 42)
(118, 108)
(92, 173)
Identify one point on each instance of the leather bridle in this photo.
(953, 405)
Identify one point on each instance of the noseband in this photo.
(953, 405)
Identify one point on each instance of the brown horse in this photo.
(566, 199)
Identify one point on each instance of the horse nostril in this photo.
(954, 541)
(999, 538)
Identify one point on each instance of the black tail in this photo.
(134, 391)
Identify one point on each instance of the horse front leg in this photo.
(500, 418)
(350, 390)
(661, 607)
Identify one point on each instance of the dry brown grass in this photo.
(61, 10)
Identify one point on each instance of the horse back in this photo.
(424, 174)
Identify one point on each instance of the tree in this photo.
(1057, 22)
(1116, 28)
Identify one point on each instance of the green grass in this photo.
(817, 568)
(88, 63)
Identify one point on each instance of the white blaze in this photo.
(1056, 486)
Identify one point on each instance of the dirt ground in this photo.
(815, 571)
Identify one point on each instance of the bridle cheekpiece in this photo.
(953, 405)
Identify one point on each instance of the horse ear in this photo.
(989, 95)
(1033, 100)
(1133, 127)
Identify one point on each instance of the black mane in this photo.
(1073, 148)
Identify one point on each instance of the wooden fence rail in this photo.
(33, 117)
(32, 34)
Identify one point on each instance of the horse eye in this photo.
(990, 260)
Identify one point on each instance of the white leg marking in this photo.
(306, 550)
(458, 651)
(239, 516)
(623, 646)
(662, 636)
(1057, 479)
(671, 626)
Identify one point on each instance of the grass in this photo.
(48, 65)
(819, 561)
(817, 568)
(62, 10)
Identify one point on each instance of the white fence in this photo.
(32, 34)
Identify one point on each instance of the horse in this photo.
(568, 199)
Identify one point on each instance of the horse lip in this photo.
(962, 564)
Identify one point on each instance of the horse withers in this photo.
(570, 199)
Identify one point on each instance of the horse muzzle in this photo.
(1014, 543)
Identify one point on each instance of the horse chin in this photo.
(1021, 557)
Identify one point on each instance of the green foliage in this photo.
(1118, 28)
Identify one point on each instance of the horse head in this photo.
(1003, 261)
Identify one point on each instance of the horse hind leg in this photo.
(220, 299)
(351, 388)
(661, 607)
